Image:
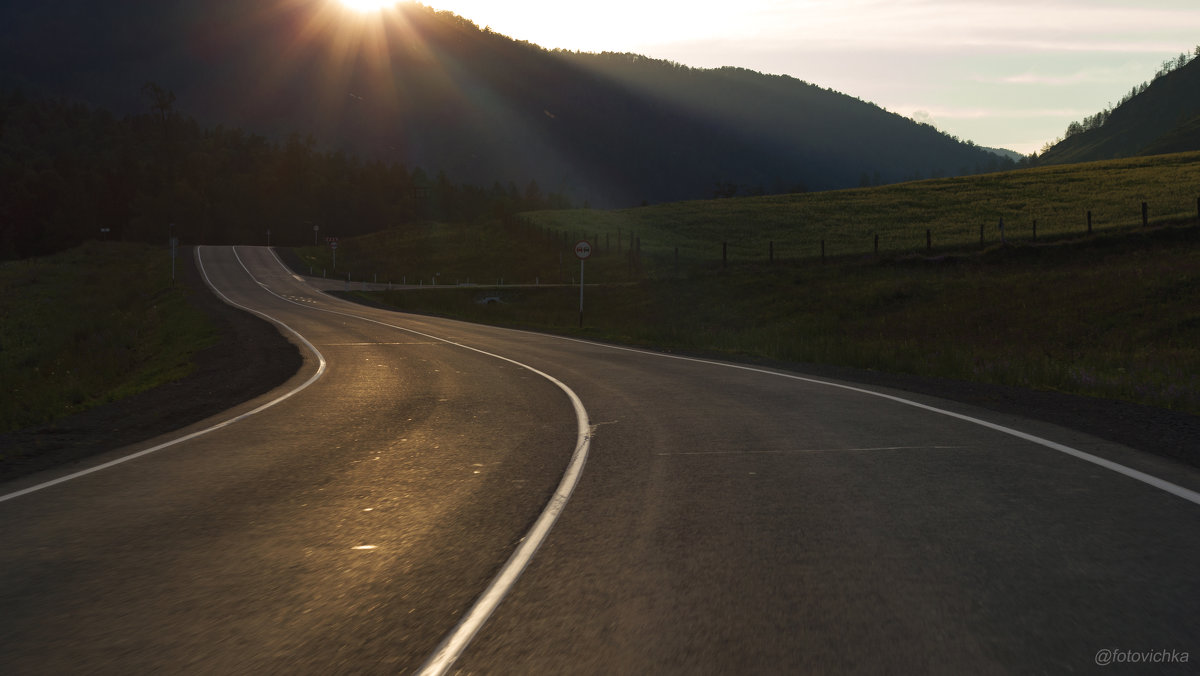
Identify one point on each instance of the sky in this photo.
(1004, 74)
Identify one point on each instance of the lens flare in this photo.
(368, 5)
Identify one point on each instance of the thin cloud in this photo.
(1086, 76)
(923, 113)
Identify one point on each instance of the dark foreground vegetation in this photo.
(92, 325)
(131, 357)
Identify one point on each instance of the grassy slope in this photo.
(1115, 315)
(1117, 318)
(952, 209)
(88, 326)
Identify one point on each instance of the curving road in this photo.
(727, 520)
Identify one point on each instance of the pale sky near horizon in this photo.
(1009, 74)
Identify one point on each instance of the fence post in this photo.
(928, 240)
(981, 234)
(724, 254)
(1035, 228)
(771, 253)
(822, 251)
(1145, 214)
(877, 244)
(1089, 216)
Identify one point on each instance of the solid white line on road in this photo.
(1173, 489)
(193, 435)
(453, 645)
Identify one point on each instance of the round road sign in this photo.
(583, 250)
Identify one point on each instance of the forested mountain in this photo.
(1162, 116)
(70, 173)
(430, 89)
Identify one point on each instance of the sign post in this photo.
(582, 251)
(333, 242)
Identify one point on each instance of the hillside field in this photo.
(680, 238)
(1113, 314)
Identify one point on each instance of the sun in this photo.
(367, 5)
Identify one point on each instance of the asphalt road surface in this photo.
(726, 519)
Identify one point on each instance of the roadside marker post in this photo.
(582, 250)
(333, 244)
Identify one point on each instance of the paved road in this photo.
(728, 520)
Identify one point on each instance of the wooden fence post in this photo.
(1089, 219)
(877, 244)
(724, 254)
(1035, 229)
(1145, 214)
(771, 253)
(822, 251)
(928, 240)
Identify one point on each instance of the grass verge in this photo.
(91, 325)
(1115, 315)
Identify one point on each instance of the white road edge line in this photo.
(1173, 489)
(453, 645)
(188, 437)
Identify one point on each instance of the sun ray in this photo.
(368, 5)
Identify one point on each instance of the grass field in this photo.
(679, 238)
(88, 326)
(1115, 313)
(1116, 316)
(952, 209)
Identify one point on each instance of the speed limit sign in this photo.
(583, 250)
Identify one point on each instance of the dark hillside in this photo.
(431, 89)
(1162, 118)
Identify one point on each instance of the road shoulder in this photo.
(250, 358)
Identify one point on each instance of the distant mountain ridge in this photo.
(432, 89)
(1164, 117)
